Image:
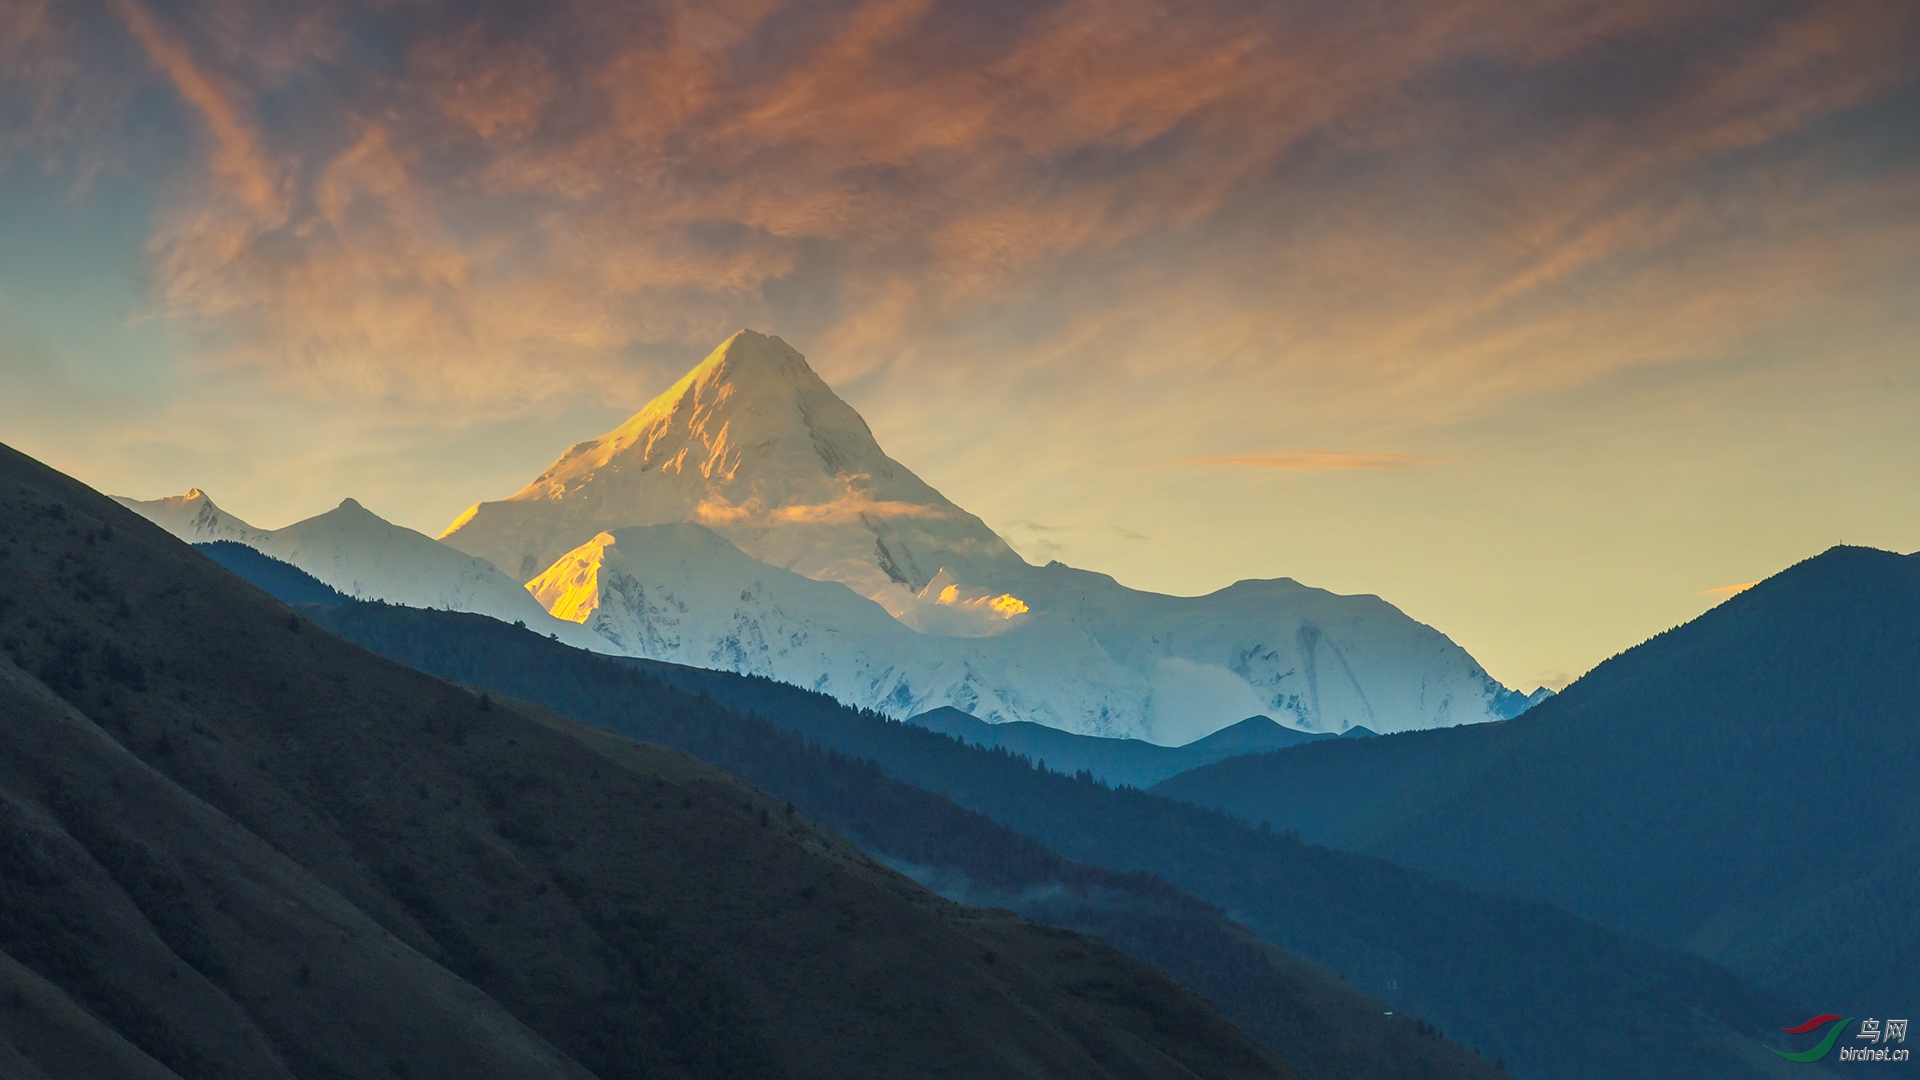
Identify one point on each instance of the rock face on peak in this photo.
(754, 445)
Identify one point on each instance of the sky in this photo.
(1549, 322)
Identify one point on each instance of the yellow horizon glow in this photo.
(1310, 460)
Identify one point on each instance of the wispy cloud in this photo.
(853, 506)
(491, 208)
(1729, 590)
(1310, 460)
(235, 157)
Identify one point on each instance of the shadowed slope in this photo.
(1317, 1021)
(287, 582)
(1741, 785)
(1553, 994)
(252, 849)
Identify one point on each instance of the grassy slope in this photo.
(252, 849)
(1741, 786)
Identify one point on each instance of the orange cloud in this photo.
(495, 90)
(539, 206)
(236, 159)
(1729, 590)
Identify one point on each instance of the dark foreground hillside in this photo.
(1315, 1020)
(1743, 786)
(1552, 994)
(233, 845)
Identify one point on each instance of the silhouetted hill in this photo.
(282, 580)
(1340, 795)
(1552, 994)
(1743, 786)
(1117, 761)
(234, 845)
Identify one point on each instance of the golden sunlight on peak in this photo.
(570, 588)
(949, 593)
(457, 522)
(1008, 605)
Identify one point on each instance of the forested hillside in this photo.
(1549, 993)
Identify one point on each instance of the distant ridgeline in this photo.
(1746, 786)
(282, 580)
(1551, 994)
(1394, 933)
(1133, 762)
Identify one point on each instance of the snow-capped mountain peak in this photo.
(194, 518)
(570, 588)
(363, 555)
(754, 445)
(747, 519)
(668, 537)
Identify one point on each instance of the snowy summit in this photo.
(746, 519)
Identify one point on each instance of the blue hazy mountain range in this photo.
(1134, 762)
(1552, 994)
(1406, 948)
(1746, 786)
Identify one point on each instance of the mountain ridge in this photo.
(750, 437)
(752, 447)
(254, 849)
(1554, 994)
(1733, 785)
(1311, 1017)
(360, 554)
